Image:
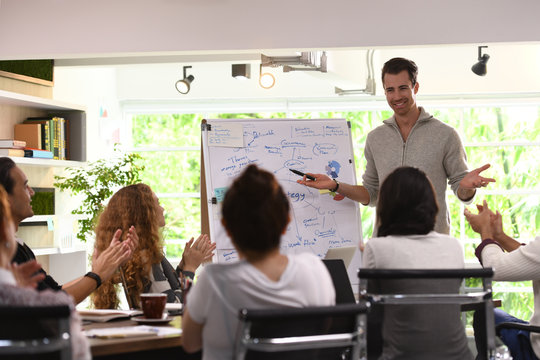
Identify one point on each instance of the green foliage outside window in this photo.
(97, 182)
(498, 135)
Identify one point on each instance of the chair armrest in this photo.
(518, 326)
(302, 313)
(34, 312)
(424, 273)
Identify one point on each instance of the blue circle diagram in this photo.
(332, 169)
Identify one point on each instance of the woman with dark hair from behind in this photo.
(406, 214)
(255, 213)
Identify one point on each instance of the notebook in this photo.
(340, 278)
(344, 253)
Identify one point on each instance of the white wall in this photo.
(81, 29)
(444, 70)
(94, 88)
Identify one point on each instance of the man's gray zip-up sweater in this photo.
(432, 146)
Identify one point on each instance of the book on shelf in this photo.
(57, 129)
(67, 129)
(29, 133)
(37, 153)
(104, 315)
(11, 152)
(12, 144)
(56, 138)
(46, 130)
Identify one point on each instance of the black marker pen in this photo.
(302, 174)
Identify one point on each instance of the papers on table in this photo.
(103, 315)
(131, 331)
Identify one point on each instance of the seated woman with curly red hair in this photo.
(148, 270)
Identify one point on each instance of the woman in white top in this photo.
(255, 214)
(406, 213)
(17, 284)
(511, 261)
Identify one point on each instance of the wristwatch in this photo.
(337, 186)
(94, 276)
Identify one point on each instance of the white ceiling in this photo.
(76, 29)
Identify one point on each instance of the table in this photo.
(141, 347)
(476, 306)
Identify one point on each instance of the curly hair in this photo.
(131, 205)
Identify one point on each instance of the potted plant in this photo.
(97, 182)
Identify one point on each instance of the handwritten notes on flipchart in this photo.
(319, 221)
(226, 135)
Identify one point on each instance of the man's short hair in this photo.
(396, 65)
(6, 164)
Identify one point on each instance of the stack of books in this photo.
(11, 147)
(46, 137)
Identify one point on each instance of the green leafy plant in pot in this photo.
(97, 182)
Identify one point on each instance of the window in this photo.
(503, 135)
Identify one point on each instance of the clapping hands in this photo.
(27, 274)
(117, 254)
(486, 222)
(197, 252)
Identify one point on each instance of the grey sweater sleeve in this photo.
(455, 161)
(370, 178)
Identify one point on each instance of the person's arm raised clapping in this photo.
(104, 265)
(196, 252)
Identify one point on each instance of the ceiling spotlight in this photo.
(183, 85)
(241, 71)
(480, 67)
(266, 80)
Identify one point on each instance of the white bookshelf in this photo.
(66, 256)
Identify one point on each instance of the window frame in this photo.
(341, 104)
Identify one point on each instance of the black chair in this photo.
(35, 332)
(518, 326)
(340, 278)
(328, 332)
(436, 290)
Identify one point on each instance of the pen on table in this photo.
(302, 174)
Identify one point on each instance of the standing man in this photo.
(104, 265)
(411, 137)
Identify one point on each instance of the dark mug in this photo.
(153, 305)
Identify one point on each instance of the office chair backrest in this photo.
(35, 332)
(329, 332)
(427, 318)
(340, 278)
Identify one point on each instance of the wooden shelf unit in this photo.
(63, 260)
(15, 108)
